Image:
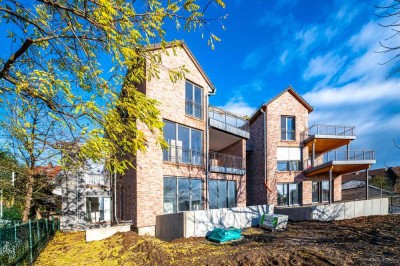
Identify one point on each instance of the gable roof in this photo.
(293, 93)
(191, 56)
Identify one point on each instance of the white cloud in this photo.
(307, 37)
(326, 65)
(237, 105)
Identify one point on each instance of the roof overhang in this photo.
(339, 167)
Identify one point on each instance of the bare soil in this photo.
(373, 240)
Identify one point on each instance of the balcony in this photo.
(228, 122)
(343, 161)
(177, 154)
(323, 138)
(96, 180)
(226, 163)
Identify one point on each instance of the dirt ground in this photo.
(373, 240)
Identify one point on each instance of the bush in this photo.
(12, 214)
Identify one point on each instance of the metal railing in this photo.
(21, 244)
(177, 154)
(222, 162)
(333, 130)
(228, 118)
(194, 109)
(288, 134)
(96, 180)
(349, 155)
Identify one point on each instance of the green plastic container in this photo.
(223, 235)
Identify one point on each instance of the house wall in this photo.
(143, 186)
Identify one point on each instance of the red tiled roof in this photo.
(50, 170)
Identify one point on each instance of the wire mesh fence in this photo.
(21, 244)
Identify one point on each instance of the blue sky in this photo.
(324, 49)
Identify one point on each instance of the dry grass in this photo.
(372, 240)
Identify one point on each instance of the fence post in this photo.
(47, 227)
(52, 223)
(38, 229)
(15, 231)
(30, 241)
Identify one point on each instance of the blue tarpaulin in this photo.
(222, 235)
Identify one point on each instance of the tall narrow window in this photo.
(289, 194)
(288, 128)
(315, 192)
(194, 104)
(325, 190)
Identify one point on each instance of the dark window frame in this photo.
(289, 166)
(192, 108)
(190, 179)
(285, 130)
(288, 197)
(194, 157)
(227, 193)
(322, 198)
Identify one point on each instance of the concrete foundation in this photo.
(201, 223)
(102, 233)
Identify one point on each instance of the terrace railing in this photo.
(330, 130)
(177, 154)
(349, 155)
(228, 119)
(226, 163)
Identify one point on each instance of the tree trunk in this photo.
(28, 197)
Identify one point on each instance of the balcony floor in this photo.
(325, 143)
(237, 131)
(339, 167)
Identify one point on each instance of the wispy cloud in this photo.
(237, 105)
(253, 59)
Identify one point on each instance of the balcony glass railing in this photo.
(178, 154)
(226, 163)
(349, 155)
(332, 130)
(228, 118)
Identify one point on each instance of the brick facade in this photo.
(140, 196)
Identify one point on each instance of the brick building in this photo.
(217, 159)
(204, 166)
(291, 164)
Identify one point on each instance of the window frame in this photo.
(289, 164)
(287, 194)
(320, 191)
(227, 193)
(195, 157)
(177, 194)
(193, 102)
(285, 129)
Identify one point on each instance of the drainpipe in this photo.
(115, 196)
(207, 152)
(265, 151)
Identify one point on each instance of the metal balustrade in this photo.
(349, 155)
(96, 180)
(178, 154)
(228, 119)
(226, 163)
(328, 130)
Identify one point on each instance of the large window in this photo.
(182, 194)
(289, 159)
(288, 128)
(185, 144)
(289, 194)
(194, 106)
(320, 191)
(222, 194)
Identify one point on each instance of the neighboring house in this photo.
(205, 164)
(298, 165)
(86, 197)
(383, 182)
